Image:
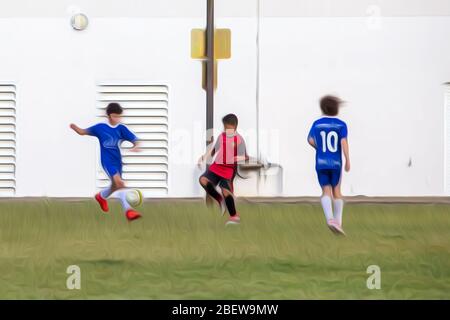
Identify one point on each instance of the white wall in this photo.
(56, 70)
(390, 70)
(392, 78)
(354, 8)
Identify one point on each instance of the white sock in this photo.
(105, 193)
(338, 208)
(327, 207)
(122, 196)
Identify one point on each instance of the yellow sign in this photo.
(198, 47)
(222, 44)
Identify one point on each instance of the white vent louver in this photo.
(146, 114)
(7, 140)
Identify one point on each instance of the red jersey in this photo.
(226, 149)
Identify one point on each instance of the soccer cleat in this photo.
(335, 227)
(102, 202)
(341, 231)
(132, 215)
(236, 219)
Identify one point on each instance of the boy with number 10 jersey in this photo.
(328, 135)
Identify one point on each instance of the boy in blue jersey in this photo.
(110, 135)
(328, 135)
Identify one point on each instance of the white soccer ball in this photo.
(134, 198)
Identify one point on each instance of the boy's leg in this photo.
(229, 201)
(228, 195)
(326, 201)
(111, 171)
(121, 194)
(338, 204)
(325, 183)
(119, 184)
(209, 181)
(105, 193)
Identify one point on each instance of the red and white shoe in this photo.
(132, 215)
(236, 219)
(335, 227)
(102, 202)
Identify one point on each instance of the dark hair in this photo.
(113, 107)
(330, 105)
(230, 119)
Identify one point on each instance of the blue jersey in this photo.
(110, 139)
(327, 133)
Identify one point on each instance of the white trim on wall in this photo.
(447, 139)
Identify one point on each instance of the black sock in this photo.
(229, 201)
(209, 188)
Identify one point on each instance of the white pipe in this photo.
(258, 25)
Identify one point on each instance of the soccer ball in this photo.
(134, 198)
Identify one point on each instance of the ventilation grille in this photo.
(7, 140)
(146, 114)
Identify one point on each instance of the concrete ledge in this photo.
(355, 199)
(289, 200)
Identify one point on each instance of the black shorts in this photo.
(218, 180)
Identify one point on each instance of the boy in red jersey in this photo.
(228, 150)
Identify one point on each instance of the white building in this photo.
(389, 59)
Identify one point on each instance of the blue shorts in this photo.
(329, 177)
(112, 169)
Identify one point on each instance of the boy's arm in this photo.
(208, 154)
(311, 142)
(132, 138)
(80, 131)
(241, 158)
(344, 143)
(242, 155)
(136, 146)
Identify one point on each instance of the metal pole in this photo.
(209, 79)
(210, 73)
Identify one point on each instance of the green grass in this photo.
(183, 251)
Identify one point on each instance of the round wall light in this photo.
(79, 21)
